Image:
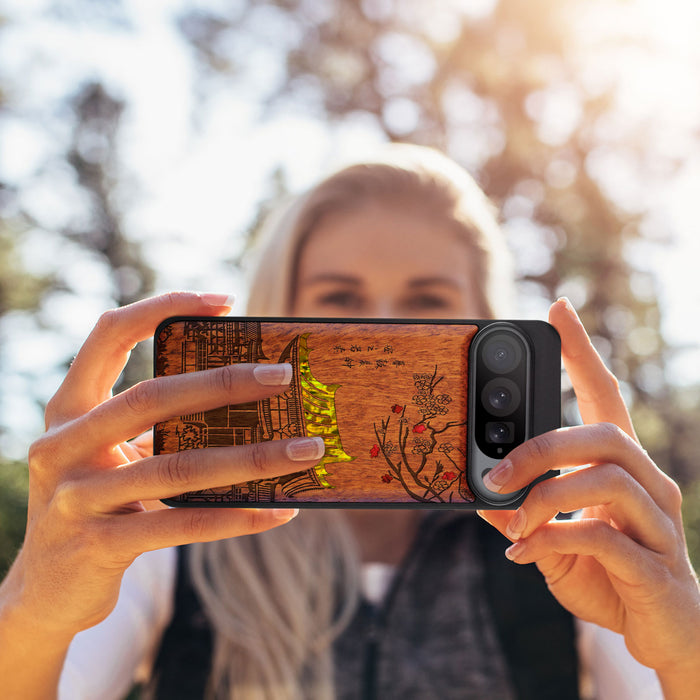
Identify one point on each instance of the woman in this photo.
(412, 236)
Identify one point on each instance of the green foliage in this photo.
(14, 484)
(19, 291)
(691, 521)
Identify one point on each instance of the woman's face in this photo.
(385, 261)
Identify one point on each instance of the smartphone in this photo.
(412, 413)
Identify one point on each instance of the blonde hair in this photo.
(277, 600)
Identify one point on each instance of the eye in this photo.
(341, 299)
(427, 302)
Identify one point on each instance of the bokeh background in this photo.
(140, 143)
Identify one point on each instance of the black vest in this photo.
(418, 645)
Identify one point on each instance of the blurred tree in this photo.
(93, 154)
(22, 291)
(18, 291)
(92, 234)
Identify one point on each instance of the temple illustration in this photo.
(306, 408)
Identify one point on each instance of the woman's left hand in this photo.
(623, 564)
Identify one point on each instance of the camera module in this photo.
(500, 396)
(505, 358)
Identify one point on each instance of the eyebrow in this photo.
(351, 280)
(433, 281)
(333, 277)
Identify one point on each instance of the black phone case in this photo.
(395, 402)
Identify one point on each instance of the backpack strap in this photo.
(536, 633)
(183, 664)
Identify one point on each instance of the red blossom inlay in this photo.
(374, 452)
(449, 476)
(396, 408)
(386, 478)
(420, 428)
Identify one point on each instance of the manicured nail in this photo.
(499, 476)
(218, 299)
(515, 550)
(273, 375)
(517, 525)
(285, 514)
(569, 306)
(306, 448)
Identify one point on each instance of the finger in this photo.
(579, 445)
(141, 532)
(138, 408)
(105, 352)
(596, 388)
(606, 486)
(497, 518)
(166, 476)
(131, 452)
(614, 550)
(143, 444)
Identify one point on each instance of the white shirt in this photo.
(104, 661)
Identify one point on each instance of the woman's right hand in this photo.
(87, 516)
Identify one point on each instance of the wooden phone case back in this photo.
(388, 399)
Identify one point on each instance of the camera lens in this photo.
(502, 353)
(499, 432)
(500, 396)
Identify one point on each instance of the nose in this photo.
(382, 308)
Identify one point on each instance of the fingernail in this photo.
(218, 299)
(273, 375)
(499, 476)
(569, 306)
(515, 550)
(306, 448)
(285, 514)
(517, 525)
